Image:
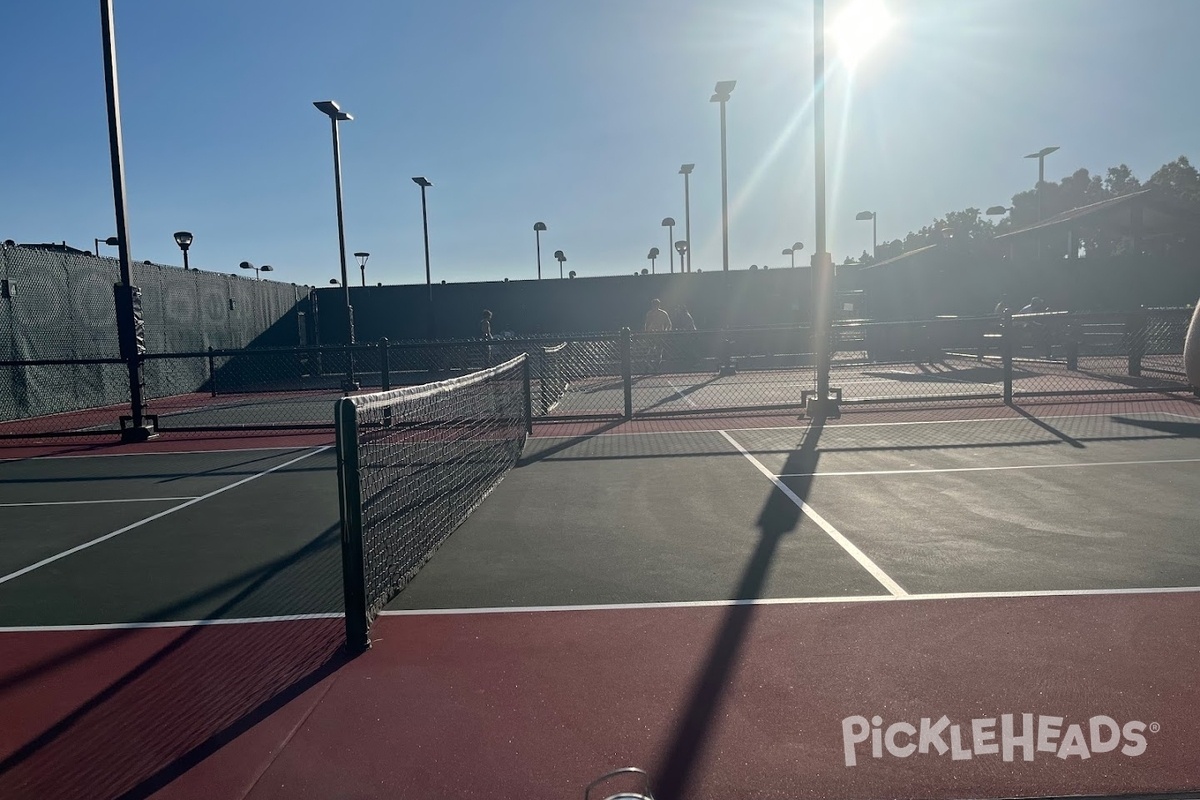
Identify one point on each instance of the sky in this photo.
(577, 114)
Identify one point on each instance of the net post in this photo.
(627, 369)
(1135, 332)
(358, 638)
(1072, 334)
(212, 372)
(1006, 355)
(527, 390)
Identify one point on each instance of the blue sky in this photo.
(574, 113)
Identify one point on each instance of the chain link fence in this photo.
(625, 375)
(61, 373)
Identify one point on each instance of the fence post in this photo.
(1073, 336)
(1135, 332)
(385, 372)
(1006, 355)
(627, 369)
(212, 372)
(527, 386)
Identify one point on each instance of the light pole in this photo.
(652, 255)
(184, 240)
(425, 184)
(863, 216)
(266, 268)
(681, 247)
(362, 265)
(1040, 155)
(127, 297)
(558, 255)
(669, 224)
(330, 109)
(791, 252)
(721, 95)
(111, 241)
(822, 262)
(538, 227)
(686, 171)
(248, 265)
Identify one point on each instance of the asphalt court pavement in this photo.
(1022, 504)
(1103, 501)
(258, 537)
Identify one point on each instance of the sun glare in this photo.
(859, 29)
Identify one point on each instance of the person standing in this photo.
(485, 333)
(657, 321)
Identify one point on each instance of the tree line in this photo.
(972, 228)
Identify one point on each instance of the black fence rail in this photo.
(625, 374)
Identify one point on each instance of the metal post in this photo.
(874, 235)
(358, 635)
(129, 323)
(212, 372)
(185, 258)
(428, 275)
(687, 222)
(1006, 354)
(351, 384)
(822, 262)
(538, 235)
(725, 196)
(627, 370)
(671, 247)
(527, 388)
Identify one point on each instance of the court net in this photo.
(413, 463)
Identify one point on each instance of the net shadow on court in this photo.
(200, 687)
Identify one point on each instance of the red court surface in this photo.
(717, 701)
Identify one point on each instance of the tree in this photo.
(1120, 180)
(1179, 179)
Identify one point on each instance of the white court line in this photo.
(833, 426)
(988, 469)
(858, 555)
(153, 517)
(191, 623)
(157, 453)
(90, 502)
(663, 606)
(680, 394)
(788, 601)
(1182, 416)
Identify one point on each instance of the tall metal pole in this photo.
(822, 261)
(129, 323)
(671, 247)
(538, 235)
(185, 258)
(428, 274)
(724, 197)
(874, 235)
(687, 222)
(337, 184)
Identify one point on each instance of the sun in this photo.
(859, 29)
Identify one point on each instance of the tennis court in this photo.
(718, 600)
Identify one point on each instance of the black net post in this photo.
(1135, 334)
(527, 387)
(358, 637)
(627, 369)
(212, 372)
(1006, 355)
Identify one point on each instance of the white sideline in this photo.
(90, 502)
(153, 517)
(858, 555)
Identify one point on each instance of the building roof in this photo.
(1160, 214)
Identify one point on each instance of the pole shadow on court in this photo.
(778, 518)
